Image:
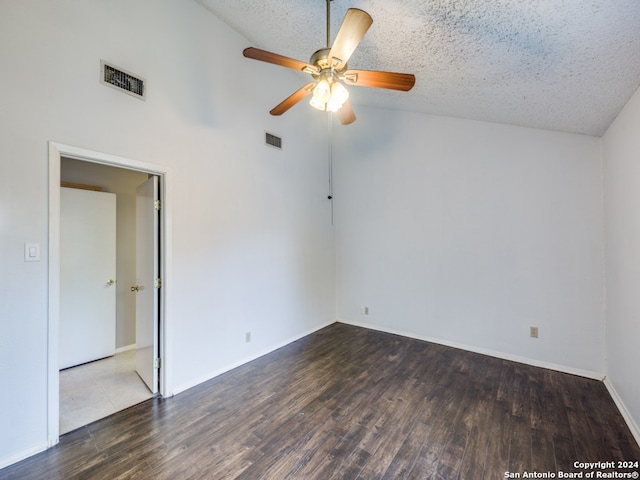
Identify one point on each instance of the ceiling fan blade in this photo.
(373, 78)
(269, 57)
(345, 114)
(354, 26)
(292, 99)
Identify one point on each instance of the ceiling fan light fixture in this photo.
(339, 95)
(315, 103)
(321, 94)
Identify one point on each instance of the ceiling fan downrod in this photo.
(329, 23)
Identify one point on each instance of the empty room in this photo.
(393, 239)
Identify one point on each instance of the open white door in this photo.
(147, 282)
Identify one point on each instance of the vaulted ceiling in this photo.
(567, 65)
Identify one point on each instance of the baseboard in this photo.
(226, 368)
(17, 457)
(484, 351)
(125, 348)
(633, 426)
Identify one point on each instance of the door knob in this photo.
(136, 288)
(111, 282)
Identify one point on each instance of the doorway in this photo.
(60, 155)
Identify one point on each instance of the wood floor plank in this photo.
(407, 452)
(347, 403)
(554, 417)
(479, 424)
(497, 460)
(542, 456)
(520, 445)
(564, 452)
(427, 461)
(451, 458)
(386, 452)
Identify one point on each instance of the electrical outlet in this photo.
(364, 311)
(247, 337)
(533, 332)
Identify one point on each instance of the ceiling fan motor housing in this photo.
(320, 58)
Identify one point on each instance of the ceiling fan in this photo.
(328, 67)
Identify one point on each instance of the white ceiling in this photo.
(567, 65)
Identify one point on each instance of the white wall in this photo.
(621, 149)
(252, 240)
(468, 233)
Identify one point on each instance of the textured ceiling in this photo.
(567, 65)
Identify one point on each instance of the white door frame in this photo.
(56, 152)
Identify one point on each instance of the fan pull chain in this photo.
(330, 154)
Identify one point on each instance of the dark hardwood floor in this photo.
(351, 403)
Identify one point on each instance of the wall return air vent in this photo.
(124, 81)
(273, 140)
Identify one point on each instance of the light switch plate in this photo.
(31, 252)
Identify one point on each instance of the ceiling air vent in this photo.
(273, 140)
(122, 80)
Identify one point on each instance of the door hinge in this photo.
(157, 363)
(157, 283)
(157, 205)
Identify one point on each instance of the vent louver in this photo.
(273, 140)
(122, 80)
